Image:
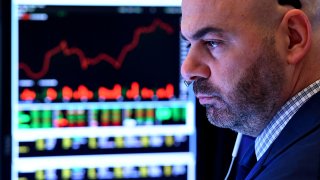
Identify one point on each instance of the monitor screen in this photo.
(97, 91)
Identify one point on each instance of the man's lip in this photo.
(206, 99)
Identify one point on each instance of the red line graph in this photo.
(86, 61)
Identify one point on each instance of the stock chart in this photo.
(98, 94)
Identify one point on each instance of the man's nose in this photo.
(195, 66)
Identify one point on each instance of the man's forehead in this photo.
(203, 4)
(199, 21)
(224, 9)
(230, 4)
(218, 6)
(231, 16)
(199, 11)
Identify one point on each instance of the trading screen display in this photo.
(97, 93)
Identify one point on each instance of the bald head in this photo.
(264, 13)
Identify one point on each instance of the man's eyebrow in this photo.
(202, 32)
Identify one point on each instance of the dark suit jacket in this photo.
(295, 154)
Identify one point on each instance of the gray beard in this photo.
(254, 100)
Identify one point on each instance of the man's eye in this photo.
(188, 45)
(213, 44)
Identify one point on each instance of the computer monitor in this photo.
(97, 91)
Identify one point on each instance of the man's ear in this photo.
(298, 34)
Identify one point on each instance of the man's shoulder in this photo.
(301, 160)
(296, 152)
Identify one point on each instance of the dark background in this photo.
(5, 157)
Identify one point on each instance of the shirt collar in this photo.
(282, 117)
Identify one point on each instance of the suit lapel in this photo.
(247, 162)
(259, 166)
(305, 120)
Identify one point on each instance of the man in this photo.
(255, 66)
